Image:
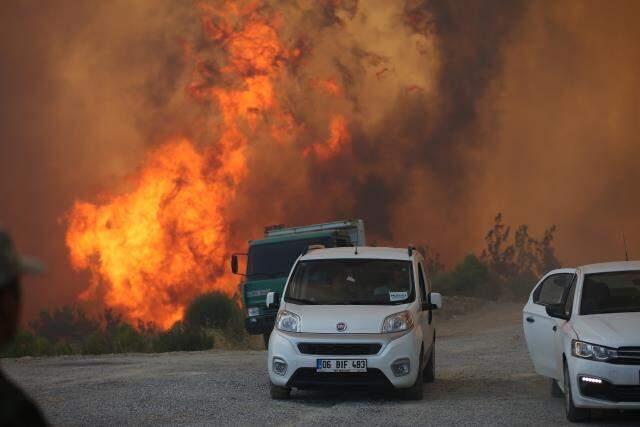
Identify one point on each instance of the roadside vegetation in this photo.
(508, 267)
(213, 320)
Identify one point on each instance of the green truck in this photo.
(269, 261)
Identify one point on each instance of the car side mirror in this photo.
(273, 300)
(234, 264)
(557, 311)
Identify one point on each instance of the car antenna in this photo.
(626, 251)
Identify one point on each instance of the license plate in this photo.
(341, 365)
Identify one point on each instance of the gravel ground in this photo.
(484, 377)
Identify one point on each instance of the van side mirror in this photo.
(557, 311)
(436, 300)
(273, 300)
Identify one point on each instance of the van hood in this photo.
(610, 329)
(359, 319)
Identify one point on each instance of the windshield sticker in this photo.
(351, 279)
(397, 296)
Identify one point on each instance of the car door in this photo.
(540, 329)
(426, 316)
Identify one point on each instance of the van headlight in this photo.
(397, 322)
(288, 321)
(591, 351)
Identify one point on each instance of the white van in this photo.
(359, 317)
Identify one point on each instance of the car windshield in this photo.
(615, 292)
(276, 259)
(351, 282)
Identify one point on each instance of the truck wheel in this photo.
(265, 337)
(574, 414)
(280, 393)
(429, 373)
(555, 389)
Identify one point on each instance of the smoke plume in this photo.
(145, 141)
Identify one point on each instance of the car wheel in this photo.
(429, 374)
(280, 393)
(555, 389)
(265, 337)
(573, 414)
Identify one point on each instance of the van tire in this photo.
(429, 374)
(265, 338)
(416, 391)
(280, 393)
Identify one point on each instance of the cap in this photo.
(13, 264)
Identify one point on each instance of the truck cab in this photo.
(269, 261)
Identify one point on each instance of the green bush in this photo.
(213, 310)
(27, 344)
(97, 343)
(126, 339)
(182, 338)
(470, 278)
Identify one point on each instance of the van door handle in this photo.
(555, 328)
(530, 319)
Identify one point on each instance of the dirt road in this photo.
(484, 377)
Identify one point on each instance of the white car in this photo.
(582, 328)
(359, 317)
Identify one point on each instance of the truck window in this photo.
(276, 259)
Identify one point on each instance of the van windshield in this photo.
(615, 292)
(351, 282)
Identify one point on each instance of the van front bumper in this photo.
(301, 368)
(603, 385)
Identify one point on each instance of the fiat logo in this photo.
(341, 327)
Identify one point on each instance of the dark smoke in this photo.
(455, 109)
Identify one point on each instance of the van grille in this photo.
(339, 349)
(308, 378)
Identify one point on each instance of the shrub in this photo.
(182, 338)
(212, 310)
(470, 278)
(97, 343)
(126, 339)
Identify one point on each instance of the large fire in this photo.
(153, 248)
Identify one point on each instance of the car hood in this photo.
(611, 329)
(359, 319)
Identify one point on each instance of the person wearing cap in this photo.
(16, 409)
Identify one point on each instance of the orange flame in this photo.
(155, 248)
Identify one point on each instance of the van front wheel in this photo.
(430, 370)
(265, 337)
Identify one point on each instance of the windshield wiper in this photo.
(299, 301)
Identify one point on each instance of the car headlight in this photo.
(591, 351)
(397, 322)
(288, 321)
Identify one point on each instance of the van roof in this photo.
(364, 252)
